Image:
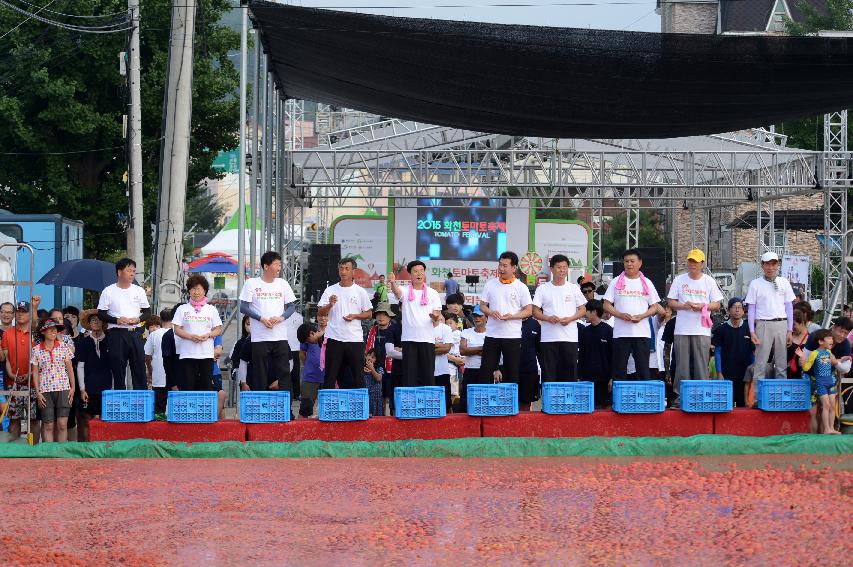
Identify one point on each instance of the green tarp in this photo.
(800, 444)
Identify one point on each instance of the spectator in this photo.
(771, 316)
(558, 305)
(596, 352)
(72, 314)
(123, 305)
(52, 380)
(16, 344)
(310, 336)
(451, 286)
(456, 305)
(269, 301)
(588, 291)
(808, 312)
(471, 348)
(420, 308)
(93, 370)
(293, 323)
(799, 337)
(380, 295)
(528, 365)
(386, 332)
(216, 383)
(443, 337)
(696, 295)
(506, 302)
(197, 323)
(347, 305)
(733, 350)
(7, 316)
(373, 373)
(170, 351)
(820, 363)
(156, 365)
(841, 349)
(631, 299)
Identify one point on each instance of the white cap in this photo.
(769, 257)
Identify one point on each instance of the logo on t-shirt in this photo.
(694, 293)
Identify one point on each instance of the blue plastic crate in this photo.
(568, 397)
(418, 403)
(644, 396)
(192, 407)
(493, 399)
(784, 394)
(264, 407)
(344, 405)
(706, 395)
(127, 405)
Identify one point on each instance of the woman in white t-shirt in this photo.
(197, 323)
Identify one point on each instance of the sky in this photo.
(635, 15)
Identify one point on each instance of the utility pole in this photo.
(136, 248)
(241, 183)
(177, 118)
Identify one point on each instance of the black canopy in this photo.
(552, 82)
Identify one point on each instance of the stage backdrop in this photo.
(464, 238)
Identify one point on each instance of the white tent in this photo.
(226, 240)
(8, 264)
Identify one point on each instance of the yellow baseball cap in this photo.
(696, 255)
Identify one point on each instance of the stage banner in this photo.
(797, 269)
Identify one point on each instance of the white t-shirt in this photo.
(633, 301)
(293, 322)
(417, 324)
(506, 299)
(562, 301)
(153, 348)
(684, 289)
(442, 334)
(269, 300)
(198, 323)
(769, 301)
(122, 302)
(474, 339)
(456, 336)
(351, 301)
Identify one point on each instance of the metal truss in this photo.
(836, 181)
(632, 218)
(655, 179)
(294, 115)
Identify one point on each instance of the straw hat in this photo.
(84, 318)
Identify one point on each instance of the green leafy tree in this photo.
(652, 233)
(61, 92)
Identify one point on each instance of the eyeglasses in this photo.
(7, 312)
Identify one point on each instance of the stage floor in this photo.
(720, 510)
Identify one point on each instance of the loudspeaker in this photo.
(654, 267)
(322, 269)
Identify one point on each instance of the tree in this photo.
(652, 233)
(61, 92)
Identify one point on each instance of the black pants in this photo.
(270, 362)
(492, 350)
(443, 380)
(418, 364)
(470, 376)
(559, 361)
(160, 397)
(125, 347)
(625, 346)
(341, 355)
(295, 380)
(197, 374)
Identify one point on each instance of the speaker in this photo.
(322, 269)
(654, 267)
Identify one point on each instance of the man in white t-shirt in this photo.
(771, 317)
(347, 305)
(123, 305)
(443, 344)
(269, 301)
(155, 361)
(695, 296)
(471, 347)
(631, 299)
(420, 306)
(506, 302)
(558, 305)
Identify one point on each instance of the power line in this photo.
(93, 16)
(59, 153)
(111, 28)
(26, 20)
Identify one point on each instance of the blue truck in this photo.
(54, 240)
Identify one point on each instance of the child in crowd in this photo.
(595, 352)
(733, 350)
(51, 374)
(373, 382)
(310, 337)
(819, 363)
